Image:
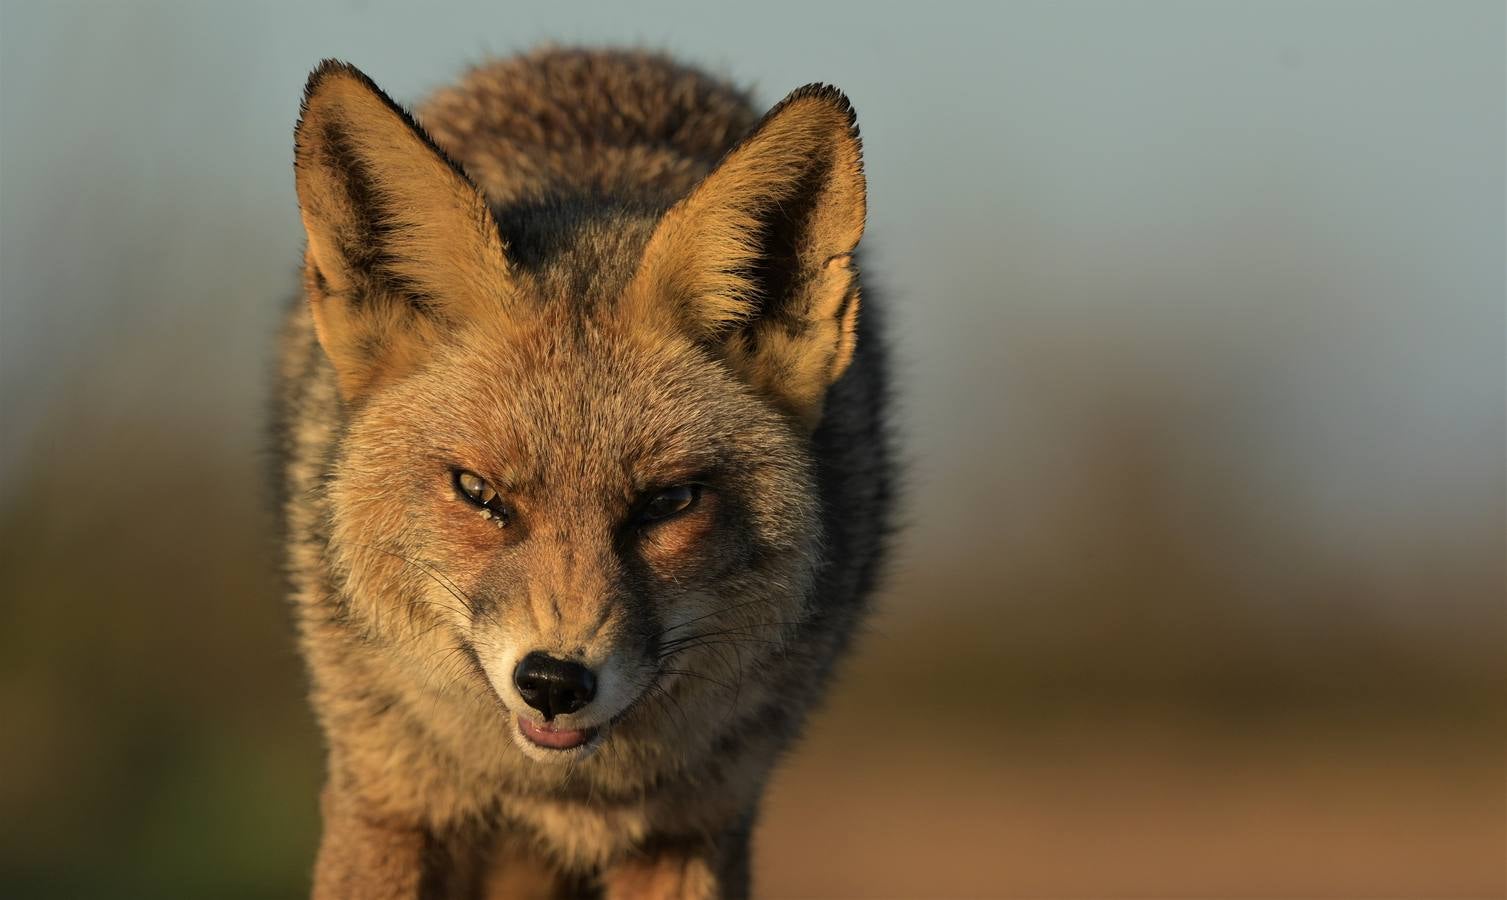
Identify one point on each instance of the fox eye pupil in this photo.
(476, 490)
(671, 502)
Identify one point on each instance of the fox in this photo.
(586, 469)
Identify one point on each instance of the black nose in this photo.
(555, 687)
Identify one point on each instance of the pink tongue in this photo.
(545, 736)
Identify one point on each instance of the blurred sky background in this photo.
(1199, 309)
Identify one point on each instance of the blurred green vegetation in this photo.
(158, 743)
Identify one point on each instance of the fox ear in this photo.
(758, 260)
(401, 244)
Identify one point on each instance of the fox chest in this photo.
(582, 835)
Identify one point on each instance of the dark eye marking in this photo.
(669, 503)
(475, 490)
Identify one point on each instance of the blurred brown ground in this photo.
(1132, 797)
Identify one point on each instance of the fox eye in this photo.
(670, 502)
(476, 490)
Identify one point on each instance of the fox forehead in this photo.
(576, 253)
(574, 399)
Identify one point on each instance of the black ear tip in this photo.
(821, 90)
(826, 93)
(324, 73)
(332, 68)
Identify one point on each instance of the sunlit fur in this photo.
(593, 275)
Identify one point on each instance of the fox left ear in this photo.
(758, 260)
(401, 244)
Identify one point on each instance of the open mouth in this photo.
(543, 734)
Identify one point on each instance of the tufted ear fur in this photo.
(401, 244)
(758, 260)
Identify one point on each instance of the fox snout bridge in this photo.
(555, 687)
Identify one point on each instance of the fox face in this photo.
(574, 474)
(604, 499)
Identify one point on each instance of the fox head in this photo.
(575, 451)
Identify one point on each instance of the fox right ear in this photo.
(401, 244)
(757, 261)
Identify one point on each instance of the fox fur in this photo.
(586, 277)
